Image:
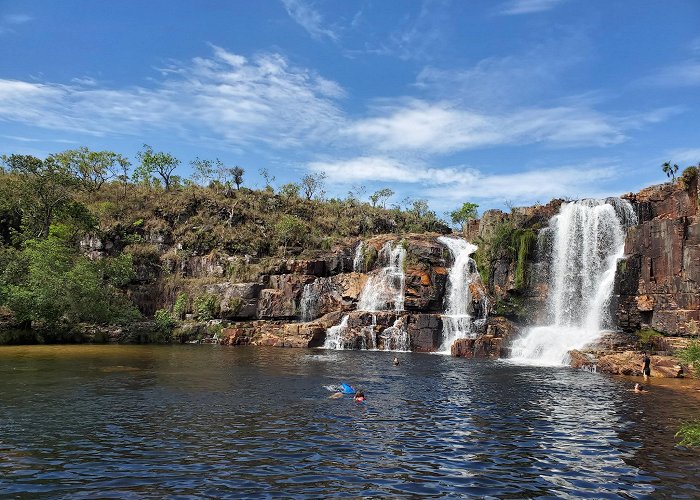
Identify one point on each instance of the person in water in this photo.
(639, 388)
(359, 397)
(646, 366)
(396, 361)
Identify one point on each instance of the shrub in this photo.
(180, 306)
(691, 354)
(206, 307)
(164, 321)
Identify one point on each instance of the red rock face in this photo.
(658, 283)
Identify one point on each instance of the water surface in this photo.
(194, 421)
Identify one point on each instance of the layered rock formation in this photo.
(658, 282)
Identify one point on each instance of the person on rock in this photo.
(646, 366)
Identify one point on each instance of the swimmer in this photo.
(639, 388)
(396, 361)
(336, 395)
(360, 397)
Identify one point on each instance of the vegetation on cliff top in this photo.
(52, 210)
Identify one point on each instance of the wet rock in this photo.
(424, 331)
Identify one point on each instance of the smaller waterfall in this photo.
(334, 335)
(385, 289)
(396, 338)
(457, 322)
(311, 298)
(308, 304)
(358, 263)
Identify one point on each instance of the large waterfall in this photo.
(587, 239)
(383, 291)
(457, 323)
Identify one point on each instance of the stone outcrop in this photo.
(492, 344)
(658, 283)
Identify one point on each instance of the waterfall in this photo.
(396, 337)
(308, 304)
(587, 239)
(311, 296)
(385, 289)
(358, 263)
(457, 323)
(334, 335)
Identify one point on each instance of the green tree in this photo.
(670, 170)
(290, 230)
(93, 168)
(237, 174)
(290, 190)
(313, 184)
(44, 188)
(467, 212)
(380, 197)
(156, 162)
(57, 284)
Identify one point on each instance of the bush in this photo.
(691, 355)
(164, 321)
(206, 307)
(180, 307)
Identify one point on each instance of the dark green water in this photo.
(209, 421)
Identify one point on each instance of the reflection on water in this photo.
(209, 420)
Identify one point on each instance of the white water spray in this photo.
(588, 239)
(385, 289)
(358, 261)
(334, 335)
(457, 323)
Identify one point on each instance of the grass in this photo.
(689, 434)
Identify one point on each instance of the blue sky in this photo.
(494, 102)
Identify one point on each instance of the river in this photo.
(134, 421)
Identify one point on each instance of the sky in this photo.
(500, 103)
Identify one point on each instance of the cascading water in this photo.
(457, 323)
(587, 240)
(334, 335)
(385, 289)
(311, 295)
(358, 261)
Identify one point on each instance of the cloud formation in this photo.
(237, 100)
(516, 7)
(466, 183)
(441, 128)
(309, 19)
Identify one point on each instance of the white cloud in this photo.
(501, 82)
(16, 18)
(309, 19)
(516, 7)
(685, 157)
(443, 128)
(684, 74)
(227, 97)
(446, 186)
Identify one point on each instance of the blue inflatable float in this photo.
(346, 389)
